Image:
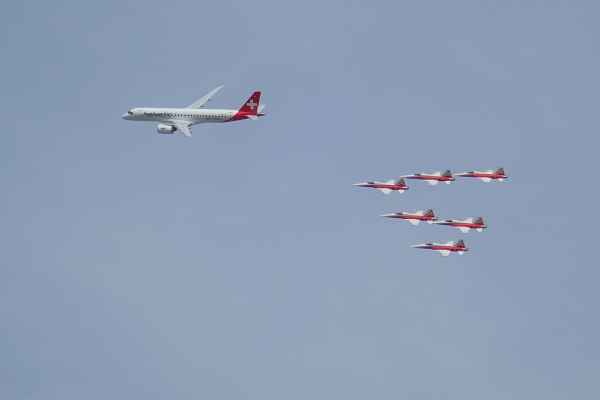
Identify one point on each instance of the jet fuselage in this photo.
(458, 224)
(440, 246)
(195, 116)
(382, 185)
(404, 215)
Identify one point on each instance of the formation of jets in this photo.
(433, 179)
(181, 119)
(415, 218)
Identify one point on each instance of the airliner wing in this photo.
(182, 126)
(200, 102)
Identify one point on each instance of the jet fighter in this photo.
(386, 187)
(415, 218)
(486, 177)
(434, 178)
(465, 225)
(446, 248)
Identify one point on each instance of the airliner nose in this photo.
(125, 116)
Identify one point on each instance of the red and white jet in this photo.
(415, 218)
(386, 187)
(445, 249)
(486, 176)
(434, 178)
(181, 119)
(465, 225)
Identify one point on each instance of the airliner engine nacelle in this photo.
(164, 128)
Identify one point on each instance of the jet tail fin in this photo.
(429, 213)
(401, 182)
(447, 173)
(500, 171)
(460, 243)
(479, 220)
(251, 106)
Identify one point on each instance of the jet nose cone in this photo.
(125, 116)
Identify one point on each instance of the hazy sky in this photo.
(242, 263)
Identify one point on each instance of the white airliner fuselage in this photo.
(166, 115)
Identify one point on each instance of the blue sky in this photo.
(242, 263)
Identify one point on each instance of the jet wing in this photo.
(415, 222)
(432, 182)
(464, 229)
(183, 127)
(200, 102)
(486, 179)
(445, 253)
(386, 191)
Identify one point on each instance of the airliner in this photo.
(180, 119)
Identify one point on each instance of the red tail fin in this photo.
(479, 221)
(429, 213)
(401, 182)
(447, 173)
(251, 106)
(500, 171)
(460, 243)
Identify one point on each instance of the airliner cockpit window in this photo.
(129, 112)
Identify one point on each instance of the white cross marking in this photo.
(251, 104)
